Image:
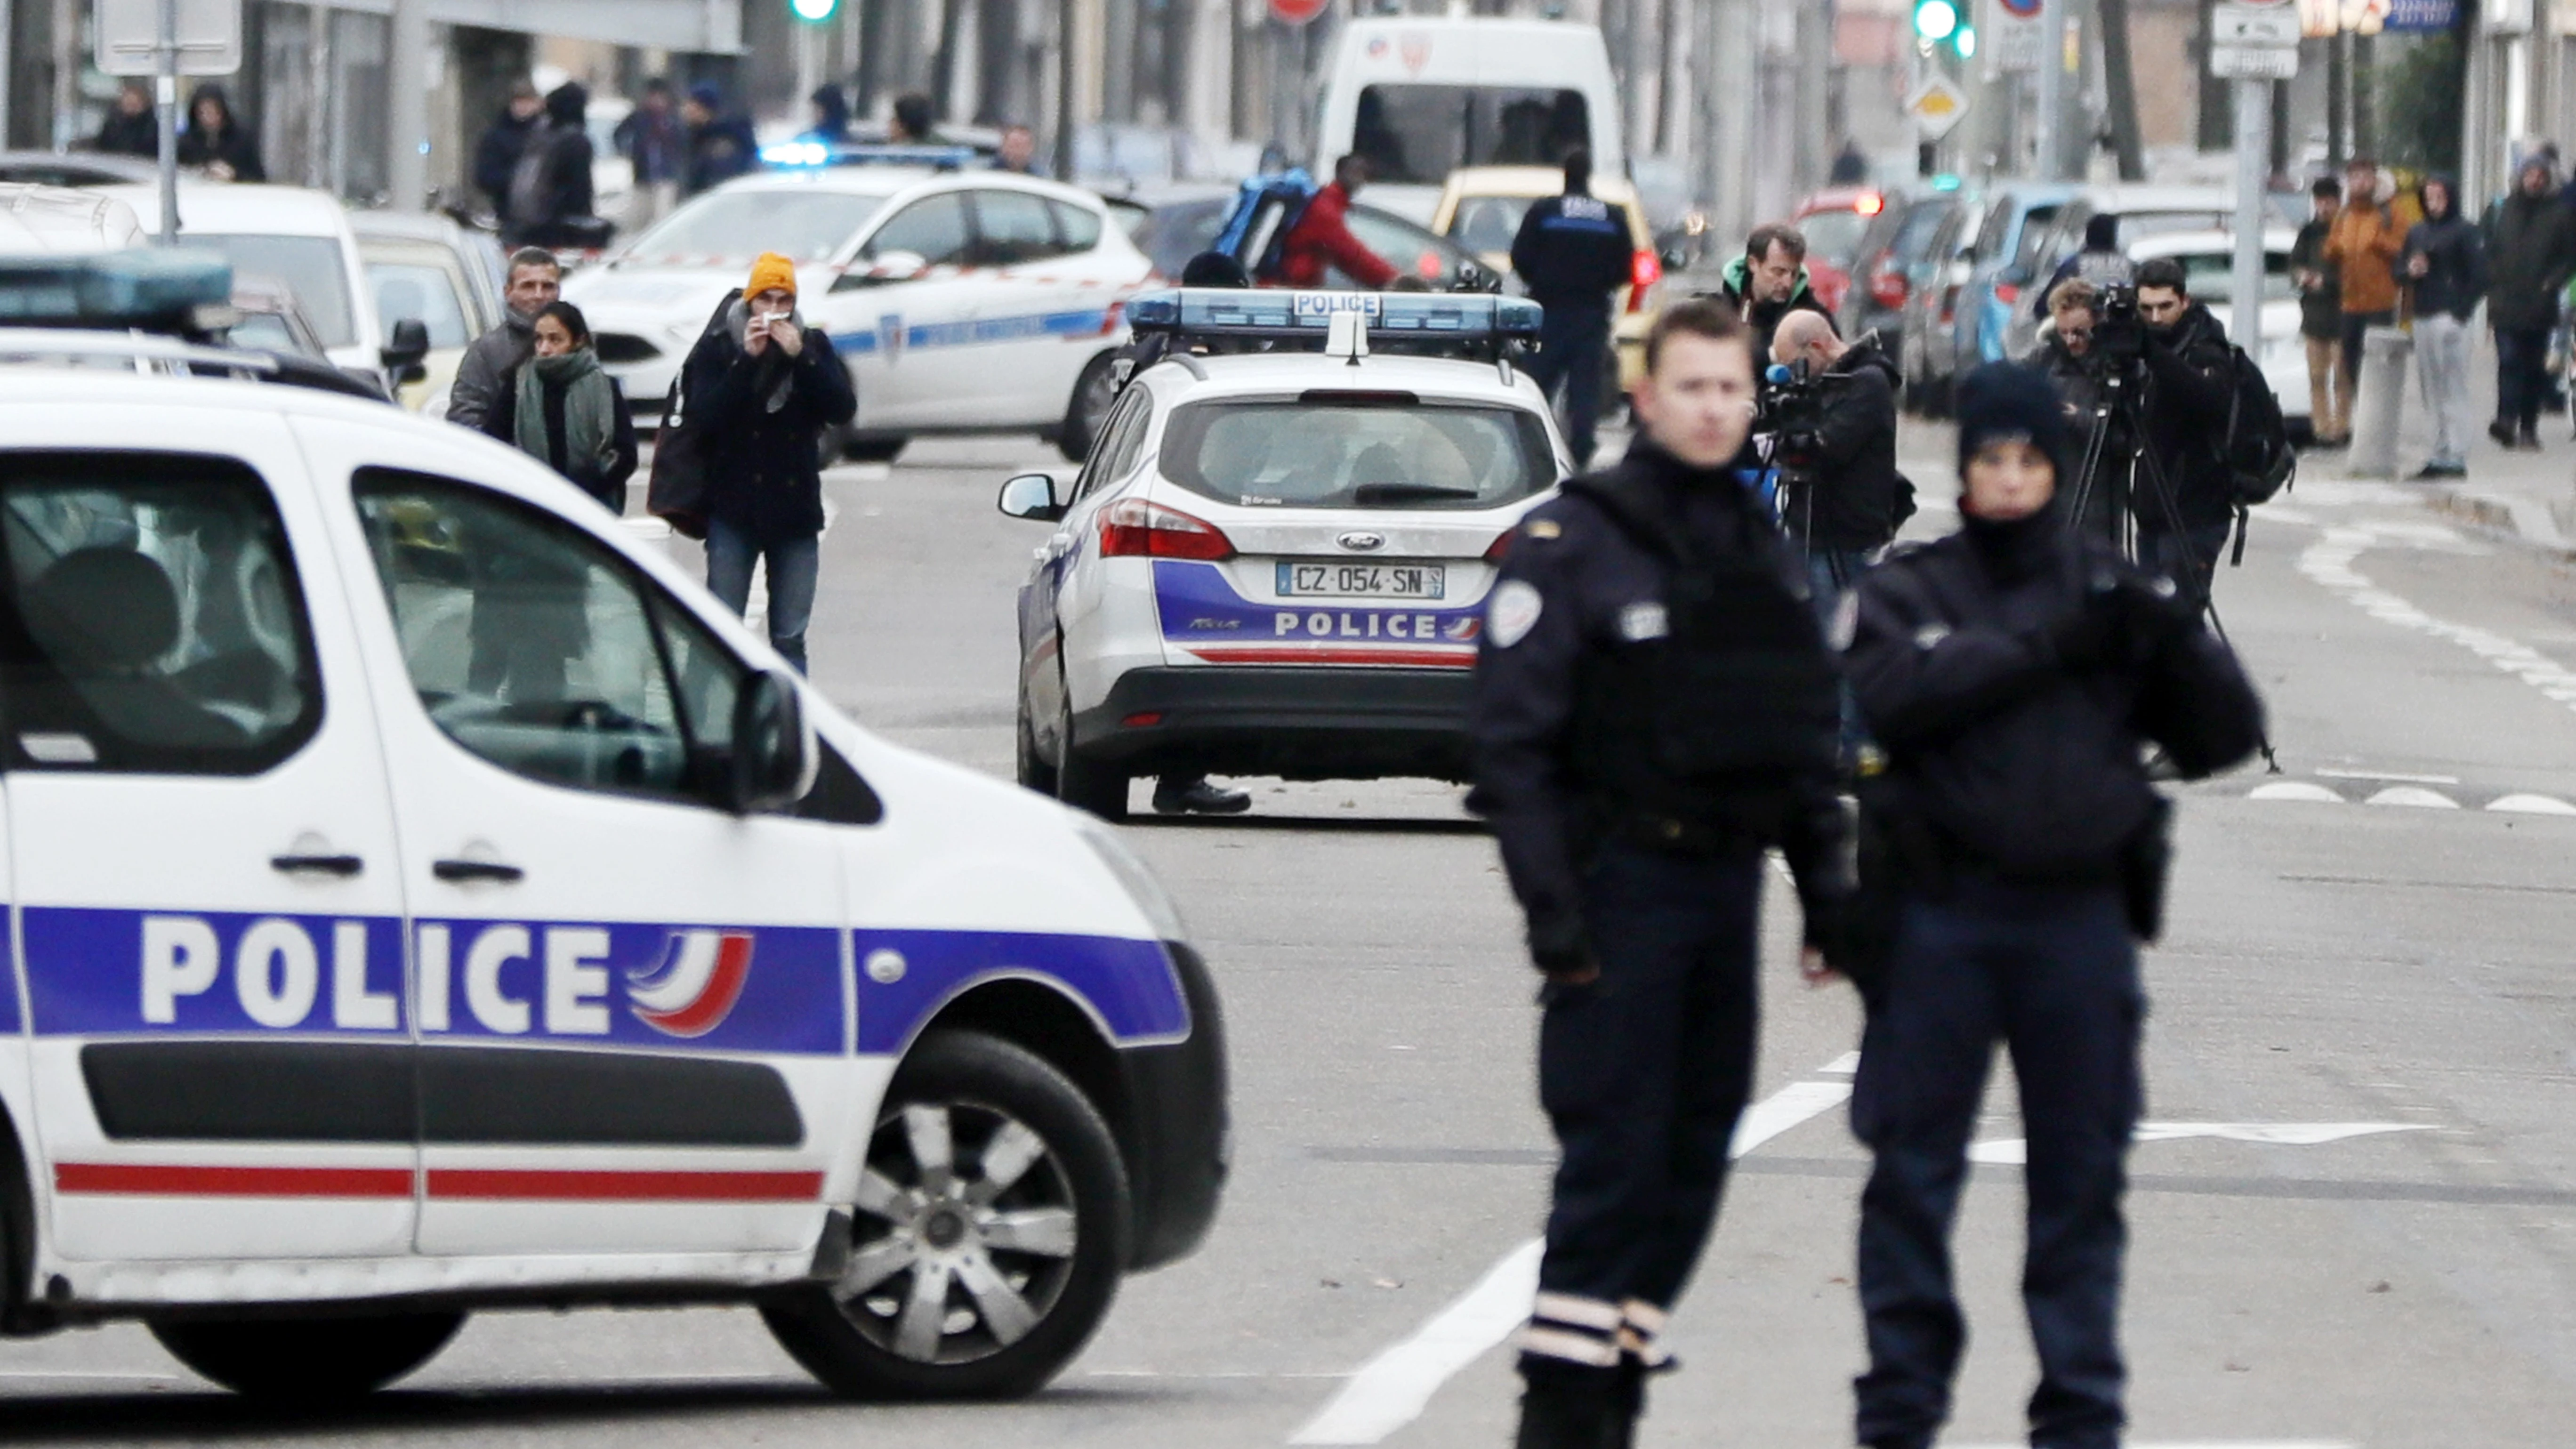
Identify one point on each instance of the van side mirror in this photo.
(1031, 496)
(406, 348)
(773, 758)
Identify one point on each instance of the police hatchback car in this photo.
(423, 899)
(1276, 562)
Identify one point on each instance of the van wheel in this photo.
(1087, 784)
(991, 1230)
(307, 1359)
(1035, 773)
(1087, 410)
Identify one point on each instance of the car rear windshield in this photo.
(1358, 453)
(805, 226)
(1421, 133)
(309, 266)
(1833, 236)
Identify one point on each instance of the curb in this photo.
(2525, 519)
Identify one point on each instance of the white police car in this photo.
(960, 301)
(425, 899)
(1277, 563)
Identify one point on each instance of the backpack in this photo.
(1278, 199)
(676, 493)
(2260, 460)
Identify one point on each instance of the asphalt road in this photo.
(2357, 1225)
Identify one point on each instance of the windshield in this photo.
(1419, 134)
(2137, 226)
(806, 226)
(423, 294)
(308, 266)
(2211, 277)
(1833, 237)
(1359, 454)
(1488, 223)
(265, 331)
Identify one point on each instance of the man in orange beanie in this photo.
(761, 389)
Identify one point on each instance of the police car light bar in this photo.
(1470, 322)
(138, 287)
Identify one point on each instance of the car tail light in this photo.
(1501, 545)
(1870, 205)
(1134, 528)
(1145, 719)
(2007, 293)
(1888, 289)
(1429, 266)
(1645, 269)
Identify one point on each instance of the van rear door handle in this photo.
(465, 870)
(343, 866)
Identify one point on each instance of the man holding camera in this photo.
(2184, 508)
(1842, 499)
(2076, 370)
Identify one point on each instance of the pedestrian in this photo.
(721, 143)
(765, 388)
(132, 128)
(496, 153)
(551, 202)
(2362, 246)
(831, 125)
(657, 145)
(559, 408)
(2320, 284)
(2183, 508)
(2100, 261)
(1573, 252)
(1019, 151)
(2529, 247)
(913, 124)
(1321, 239)
(2013, 671)
(1843, 500)
(1652, 707)
(2445, 264)
(2080, 376)
(534, 281)
(1769, 282)
(1851, 166)
(216, 141)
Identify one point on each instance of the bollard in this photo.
(2378, 403)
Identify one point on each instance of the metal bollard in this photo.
(2378, 403)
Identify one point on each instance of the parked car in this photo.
(1834, 220)
(1891, 262)
(74, 168)
(1481, 209)
(2143, 212)
(2016, 214)
(1924, 346)
(1173, 224)
(271, 320)
(429, 269)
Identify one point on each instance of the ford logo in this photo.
(1362, 542)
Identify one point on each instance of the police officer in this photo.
(1573, 252)
(2011, 671)
(1654, 704)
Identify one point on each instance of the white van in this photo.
(1422, 97)
(289, 234)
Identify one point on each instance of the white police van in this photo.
(1276, 562)
(423, 899)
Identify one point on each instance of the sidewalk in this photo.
(2529, 495)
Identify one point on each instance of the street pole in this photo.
(2051, 130)
(407, 107)
(2253, 161)
(165, 94)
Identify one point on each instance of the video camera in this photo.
(2119, 335)
(1790, 407)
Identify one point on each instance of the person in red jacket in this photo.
(1322, 239)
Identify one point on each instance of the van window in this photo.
(312, 267)
(1418, 134)
(150, 619)
(410, 291)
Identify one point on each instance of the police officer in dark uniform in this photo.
(1654, 705)
(2013, 671)
(1574, 252)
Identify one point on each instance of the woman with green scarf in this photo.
(560, 409)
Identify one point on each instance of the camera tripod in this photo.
(2114, 480)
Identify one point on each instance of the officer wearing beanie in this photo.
(2012, 858)
(1654, 705)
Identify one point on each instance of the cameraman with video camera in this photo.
(2184, 507)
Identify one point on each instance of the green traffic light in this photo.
(1935, 19)
(814, 11)
(1965, 42)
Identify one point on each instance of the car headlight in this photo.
(1142, 886)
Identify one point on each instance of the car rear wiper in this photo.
(1369, 495)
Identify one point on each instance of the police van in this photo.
(1275, 560)
(424, 899)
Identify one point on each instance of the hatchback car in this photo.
(430, 270)
(1481, 209)
(1894, 258)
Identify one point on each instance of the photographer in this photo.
(2076, 369)
(1841, 496)
(2184, 510)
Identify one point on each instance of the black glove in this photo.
(1557, 947)
(2155, 614)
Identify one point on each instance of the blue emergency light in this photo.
(139, 287)
(1476, 323)
(805, 155)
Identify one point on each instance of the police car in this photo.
(960, 301)
(1276, 563)
(425, 899)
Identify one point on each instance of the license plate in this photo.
(1362, 581)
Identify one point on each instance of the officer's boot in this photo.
(1628, 1405)
(1571, 1410)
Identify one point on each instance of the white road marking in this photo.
(1392, 1389)
(2296, 790)
(2388, 777)
(1846, 1065)
(2329, 562)
(2532, 805)
(2014, 1151)
(2413, 797)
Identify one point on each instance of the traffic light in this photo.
(1936, 20)
(1965, 42)
(813, 12)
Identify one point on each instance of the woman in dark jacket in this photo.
(216, 141)
(760, 390)
(559, 408)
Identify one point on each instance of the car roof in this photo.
(56, 219)
(394, 224)
(1530, 181)
(2180, 243)
(233, 208)
(891, 181)
(75, 168)
(2151, 196)
(1271, 373)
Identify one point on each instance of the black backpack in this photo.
(2260, 460)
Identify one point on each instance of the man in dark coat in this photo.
(533, 283)
(2320, 284)
(721, 143)
(2101, 262)
(551, 188)
(496, 153)
(1769, 282)
(2184, 511)
(132, 127)
(2530, 248)
(216, 142)
(1574, 253)
(762, 389)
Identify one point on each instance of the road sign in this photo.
(210, 36)
(2253, 62)
(2021, 9)
(1298, 12)
(1936, 106)
(2251, 25)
